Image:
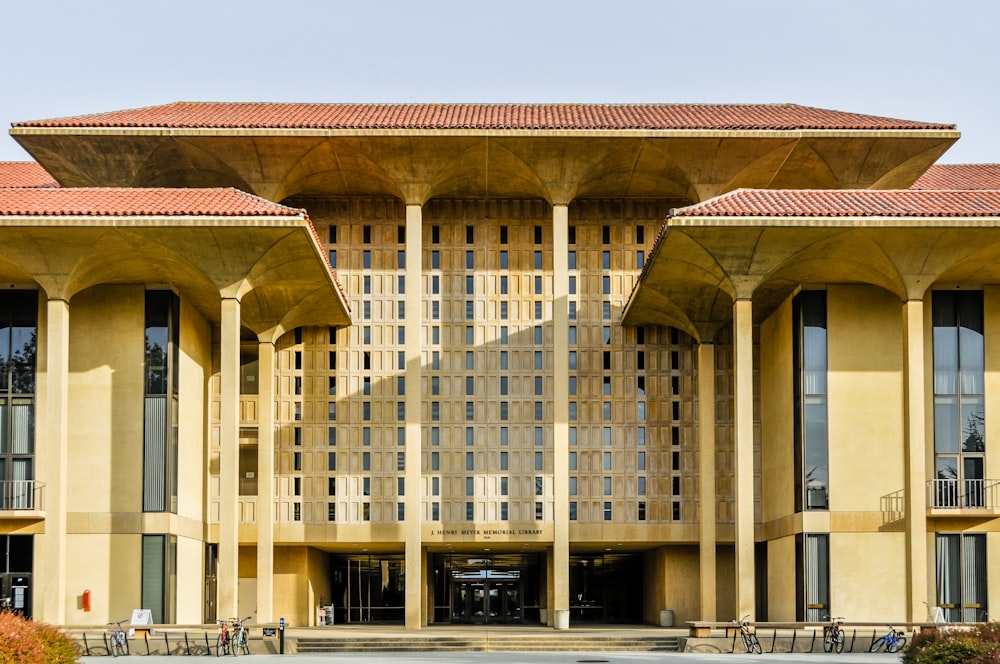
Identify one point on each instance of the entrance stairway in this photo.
(481, 640)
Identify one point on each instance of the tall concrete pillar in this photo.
(229, 461)
(415, 582)
(55, 443)
(915, 460)
(558, 609)
(743, 378)
(265, 482)
(706, 479)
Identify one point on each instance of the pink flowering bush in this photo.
(26, 642)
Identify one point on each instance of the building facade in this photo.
(449, 364)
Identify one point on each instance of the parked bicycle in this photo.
(118, 640)
(892, 641)
(241, 637)
(749, 636)
(833, 638)
(224, 640)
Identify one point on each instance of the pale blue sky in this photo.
(913, 59)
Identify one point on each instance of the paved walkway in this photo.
(540, 658)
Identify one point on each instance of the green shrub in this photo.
(976, 645)
(26, 642)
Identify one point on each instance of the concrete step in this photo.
(488, 644)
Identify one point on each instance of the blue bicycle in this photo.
(892, 641)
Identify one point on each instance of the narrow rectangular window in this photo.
(812, 577)
(159, 577)
(809, 349)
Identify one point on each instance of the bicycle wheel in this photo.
(244, 643)
(234, 643)
(221, 646)
(877, 644)
(838, 641)
(113, 645)
(828, 641)
(755, 644)
(897, 645)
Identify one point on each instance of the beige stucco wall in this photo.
(777, 415)
(671, 582)
(781, 579)
(867, 576)
(291, 584)
(105, 450)
(865, 407)
(106, 401)
(725, 582)
(195, 359)
(991, 305)
(320, 581)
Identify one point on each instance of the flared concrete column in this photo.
(55, 443)
(265, 482)
(415, 614)
(229, 441)
(706, 478)
(559, 583)
(743, 379)
(915, 460)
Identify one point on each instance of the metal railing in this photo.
(21, 494)
(963, 494)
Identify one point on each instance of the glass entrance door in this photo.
(485, 602)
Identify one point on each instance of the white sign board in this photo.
(140, 617)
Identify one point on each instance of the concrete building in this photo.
(542, 364)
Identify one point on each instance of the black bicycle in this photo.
(833, 639)
(749, 635)
(892, 641)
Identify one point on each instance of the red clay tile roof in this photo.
(125, 202)
(25, 174)
(846, 203)
(960, 176)
(233, 115)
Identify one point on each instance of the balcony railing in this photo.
(21, 495)
(963, 494)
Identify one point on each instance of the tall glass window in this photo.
(159, 577)
(18, 353)
(812, 479)
(159, 489)
(812, 577)
(961, 576)
(959, 403)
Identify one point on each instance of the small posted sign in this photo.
(141, 619)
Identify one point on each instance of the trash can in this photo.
(562, 619)
(329, 614)
(667, 618)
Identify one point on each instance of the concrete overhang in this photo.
(273, 265)
(416, 165)
(699, 266)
